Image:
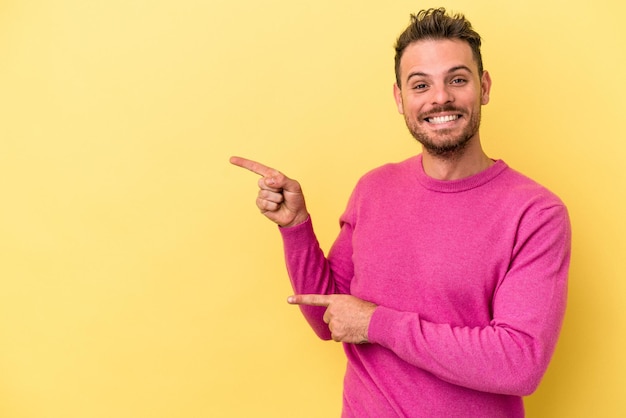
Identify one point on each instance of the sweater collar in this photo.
(459, 185)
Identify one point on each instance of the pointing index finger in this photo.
(253, 166)
(311, 300)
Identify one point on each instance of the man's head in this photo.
(441, 84)
(436, 24)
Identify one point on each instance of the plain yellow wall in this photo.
(138, 279)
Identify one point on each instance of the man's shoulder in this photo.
(391, 170)
(519, 186)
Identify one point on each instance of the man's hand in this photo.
(280, 198)
(348, 317)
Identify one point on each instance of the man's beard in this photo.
(442, 144)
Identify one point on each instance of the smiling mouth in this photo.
(442, 119)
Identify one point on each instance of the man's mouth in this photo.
(442, 119)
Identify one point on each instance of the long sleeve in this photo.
(512, 352)
(311, 273)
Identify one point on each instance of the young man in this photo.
(447, 283)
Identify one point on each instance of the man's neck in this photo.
(470, 161)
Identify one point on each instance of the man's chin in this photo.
(444, 149)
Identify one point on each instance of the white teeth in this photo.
(443, 119)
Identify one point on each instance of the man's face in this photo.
(441, 94)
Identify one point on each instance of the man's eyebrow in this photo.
(416, 74)
(460, 67)
(451, 70)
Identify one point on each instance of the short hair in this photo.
(436, 24)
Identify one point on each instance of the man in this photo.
(447, 283)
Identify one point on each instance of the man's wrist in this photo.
(298, 220)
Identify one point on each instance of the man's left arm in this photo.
(511, 353)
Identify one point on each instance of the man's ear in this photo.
(485, 88)
(397, 95)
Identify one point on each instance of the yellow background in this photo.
(137, 278)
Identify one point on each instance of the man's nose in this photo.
(441, 95)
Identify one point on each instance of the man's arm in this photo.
(281, 200)
(511, 353)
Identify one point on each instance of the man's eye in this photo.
(459, 81)
(419, 86)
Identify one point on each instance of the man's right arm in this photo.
(281, 200)
(311, 272)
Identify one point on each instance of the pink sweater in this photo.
(470, 279)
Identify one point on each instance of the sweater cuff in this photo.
(381, 329)
(298, 235)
